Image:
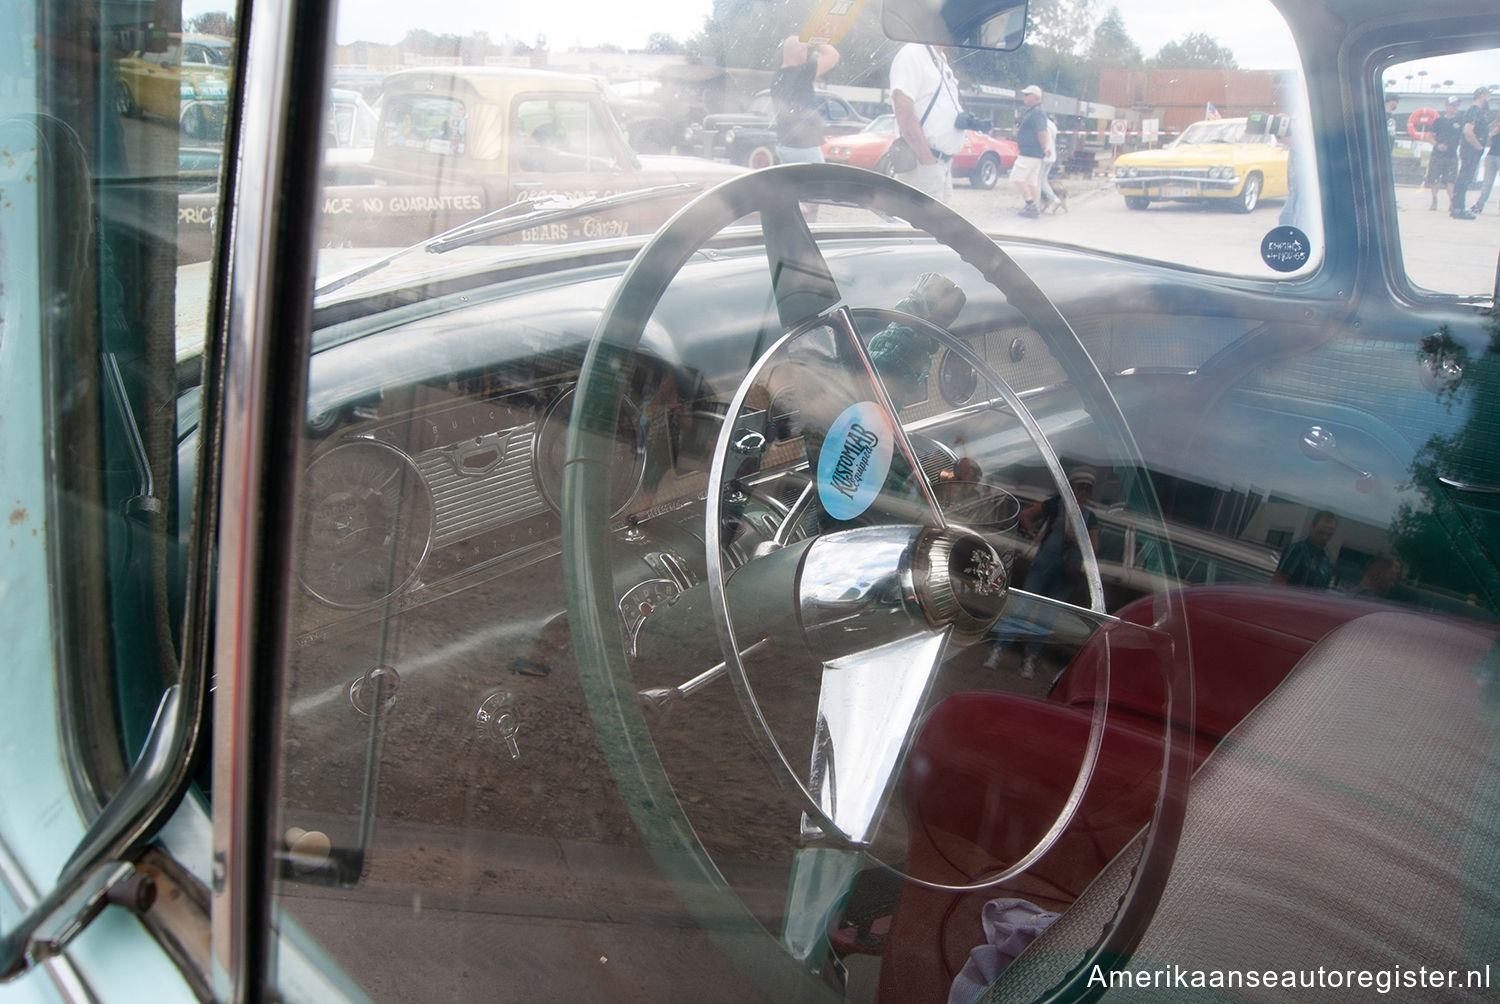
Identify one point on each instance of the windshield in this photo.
(1212, 132)
(468, 116)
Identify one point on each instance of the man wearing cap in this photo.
(1442, 164)
(1033, 143)
(1057, 567)
(924, 96)
(1476, 131)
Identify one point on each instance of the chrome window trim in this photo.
(263, 321)
(65, 977)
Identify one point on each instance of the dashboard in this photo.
(437, 428)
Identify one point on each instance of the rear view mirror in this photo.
(974, 24)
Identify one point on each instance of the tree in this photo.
(426, 43)
(1112, 47)
(748, 34)
(213, 23)
(662, 44)
(1195, 51)
(1441, 540)
(1060, 25)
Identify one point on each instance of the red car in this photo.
(981, 160)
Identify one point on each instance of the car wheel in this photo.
(125, 104)
(761, 156)
(1249, 195)
(885, 165)
(986, 173)
(191, 122)
(1136, 202)
(831, 602)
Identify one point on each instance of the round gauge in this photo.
(367, 519)
(627, 454)
(957, 380)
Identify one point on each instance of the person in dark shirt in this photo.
(1491, 168)
(799, 124)
(1033, 142)
(1476, 131)
(1305, 562)
(1442, 164)
(1057, 568)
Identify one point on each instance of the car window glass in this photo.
(431, 125)
(111, 179)
(435, 703)
(1132, 176)
(700, 568)
(434, 722)
(1444, 137)
(561, 135)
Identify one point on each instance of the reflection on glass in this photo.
(1444, 132)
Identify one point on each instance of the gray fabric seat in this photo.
(1350, 822)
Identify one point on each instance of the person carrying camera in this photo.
(930, 119)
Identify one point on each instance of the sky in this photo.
(1152, 23)
(1257, 42)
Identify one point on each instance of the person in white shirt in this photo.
(924, 96)
(1050, 201)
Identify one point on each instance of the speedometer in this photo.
(627, 454)
(367, 519)
(957, 380)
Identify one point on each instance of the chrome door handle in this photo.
(1319, 443)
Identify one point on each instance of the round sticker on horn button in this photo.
(855, 460)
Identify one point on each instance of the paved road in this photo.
(1446, 255)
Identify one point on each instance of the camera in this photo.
(966, 120)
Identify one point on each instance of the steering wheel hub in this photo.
(960, 580)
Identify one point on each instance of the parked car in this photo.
(186, 81)
(981, 160)
(1227, 162)
(712, 610)
(748, 137)
(555, 137)
(653, 123)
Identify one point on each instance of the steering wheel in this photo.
(878, 599)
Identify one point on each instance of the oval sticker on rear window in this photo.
(855, 460)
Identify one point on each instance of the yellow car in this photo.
(186, 82)
(1234, 162)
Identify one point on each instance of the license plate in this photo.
(1178, 191)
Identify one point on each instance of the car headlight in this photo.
(687, 134)
(728, 136)
(1221, 171)
(1128, 172)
